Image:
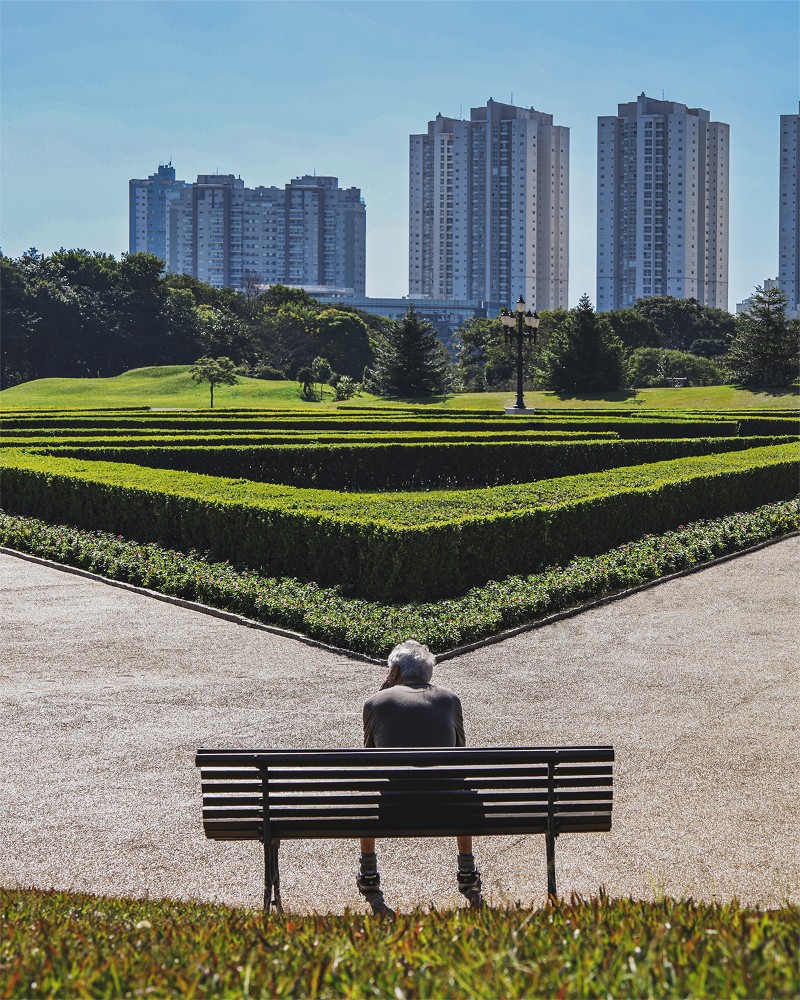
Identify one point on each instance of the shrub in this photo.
(373, 628)
(653, 368)
(396, 547)
(423, 465)
(345, 387)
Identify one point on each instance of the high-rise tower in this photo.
(310, 233)
(489, 208)
(148, 211)
(789, 251)
(662, 205)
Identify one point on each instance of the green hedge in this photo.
(632, 427)
(374, 628)
(91, 437)
(396, 547)
(366, 466)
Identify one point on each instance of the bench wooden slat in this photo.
(282, 801)
(433, 757)
(352, 829)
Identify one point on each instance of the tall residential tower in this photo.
(788, 251)
(489, 208)
(148, 211)
(310, 233)
(662, 205)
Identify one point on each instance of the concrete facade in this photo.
(444, 315)
(767, 284)
(310, 232)
(147, 211)
(789, 211)
(662, 204)
(489, 208)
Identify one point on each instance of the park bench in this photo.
(275, 795)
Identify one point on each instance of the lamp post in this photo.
(519, 327)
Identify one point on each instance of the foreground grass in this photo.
(172, 386)
(69, 945)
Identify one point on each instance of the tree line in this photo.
(76, 313)
(659, 340)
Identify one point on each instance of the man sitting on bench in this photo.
(409, 711)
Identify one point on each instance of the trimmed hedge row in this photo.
(367, 466)
(372, 628)
(396, 547)
(626, 428)
(91, 437)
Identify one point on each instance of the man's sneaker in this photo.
(370, 888)
(469, 885)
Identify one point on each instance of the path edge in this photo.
(448, 654)
(181, 602)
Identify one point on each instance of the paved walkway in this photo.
(105, 695)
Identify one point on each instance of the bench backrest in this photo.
(414, 792)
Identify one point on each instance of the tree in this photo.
(219, 371)
(654, 367)
(633, 329)
(683, 321)
(482, 359)
(221, 330)
(584, 354)
(251, 292)
(345, 388)
(305, 378)
(343, 338)
(413, 362)
(277, 296)
(286, 336)
(766, 348)
(321, 372)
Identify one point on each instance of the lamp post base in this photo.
(520, 409)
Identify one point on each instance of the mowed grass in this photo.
(70, 945)
(172, 387)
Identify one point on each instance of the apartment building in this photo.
(789, 202)
(310, 232)
(147, 212)
(489, 208)
(662, 204)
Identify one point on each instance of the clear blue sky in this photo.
(96, 93)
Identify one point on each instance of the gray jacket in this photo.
(413, 715)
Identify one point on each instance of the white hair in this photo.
(414, 661)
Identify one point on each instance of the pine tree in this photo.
(413, 362)
(583, 354)
(766, 348)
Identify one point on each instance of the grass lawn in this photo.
(172, 386)
(72, 945)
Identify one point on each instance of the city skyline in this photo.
(95, 94)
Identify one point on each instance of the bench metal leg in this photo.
(551, 833)
(551, 863)
(272, 876)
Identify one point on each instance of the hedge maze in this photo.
(393, 505)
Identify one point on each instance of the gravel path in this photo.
(106, 695)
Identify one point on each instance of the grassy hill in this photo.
(172, 386)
